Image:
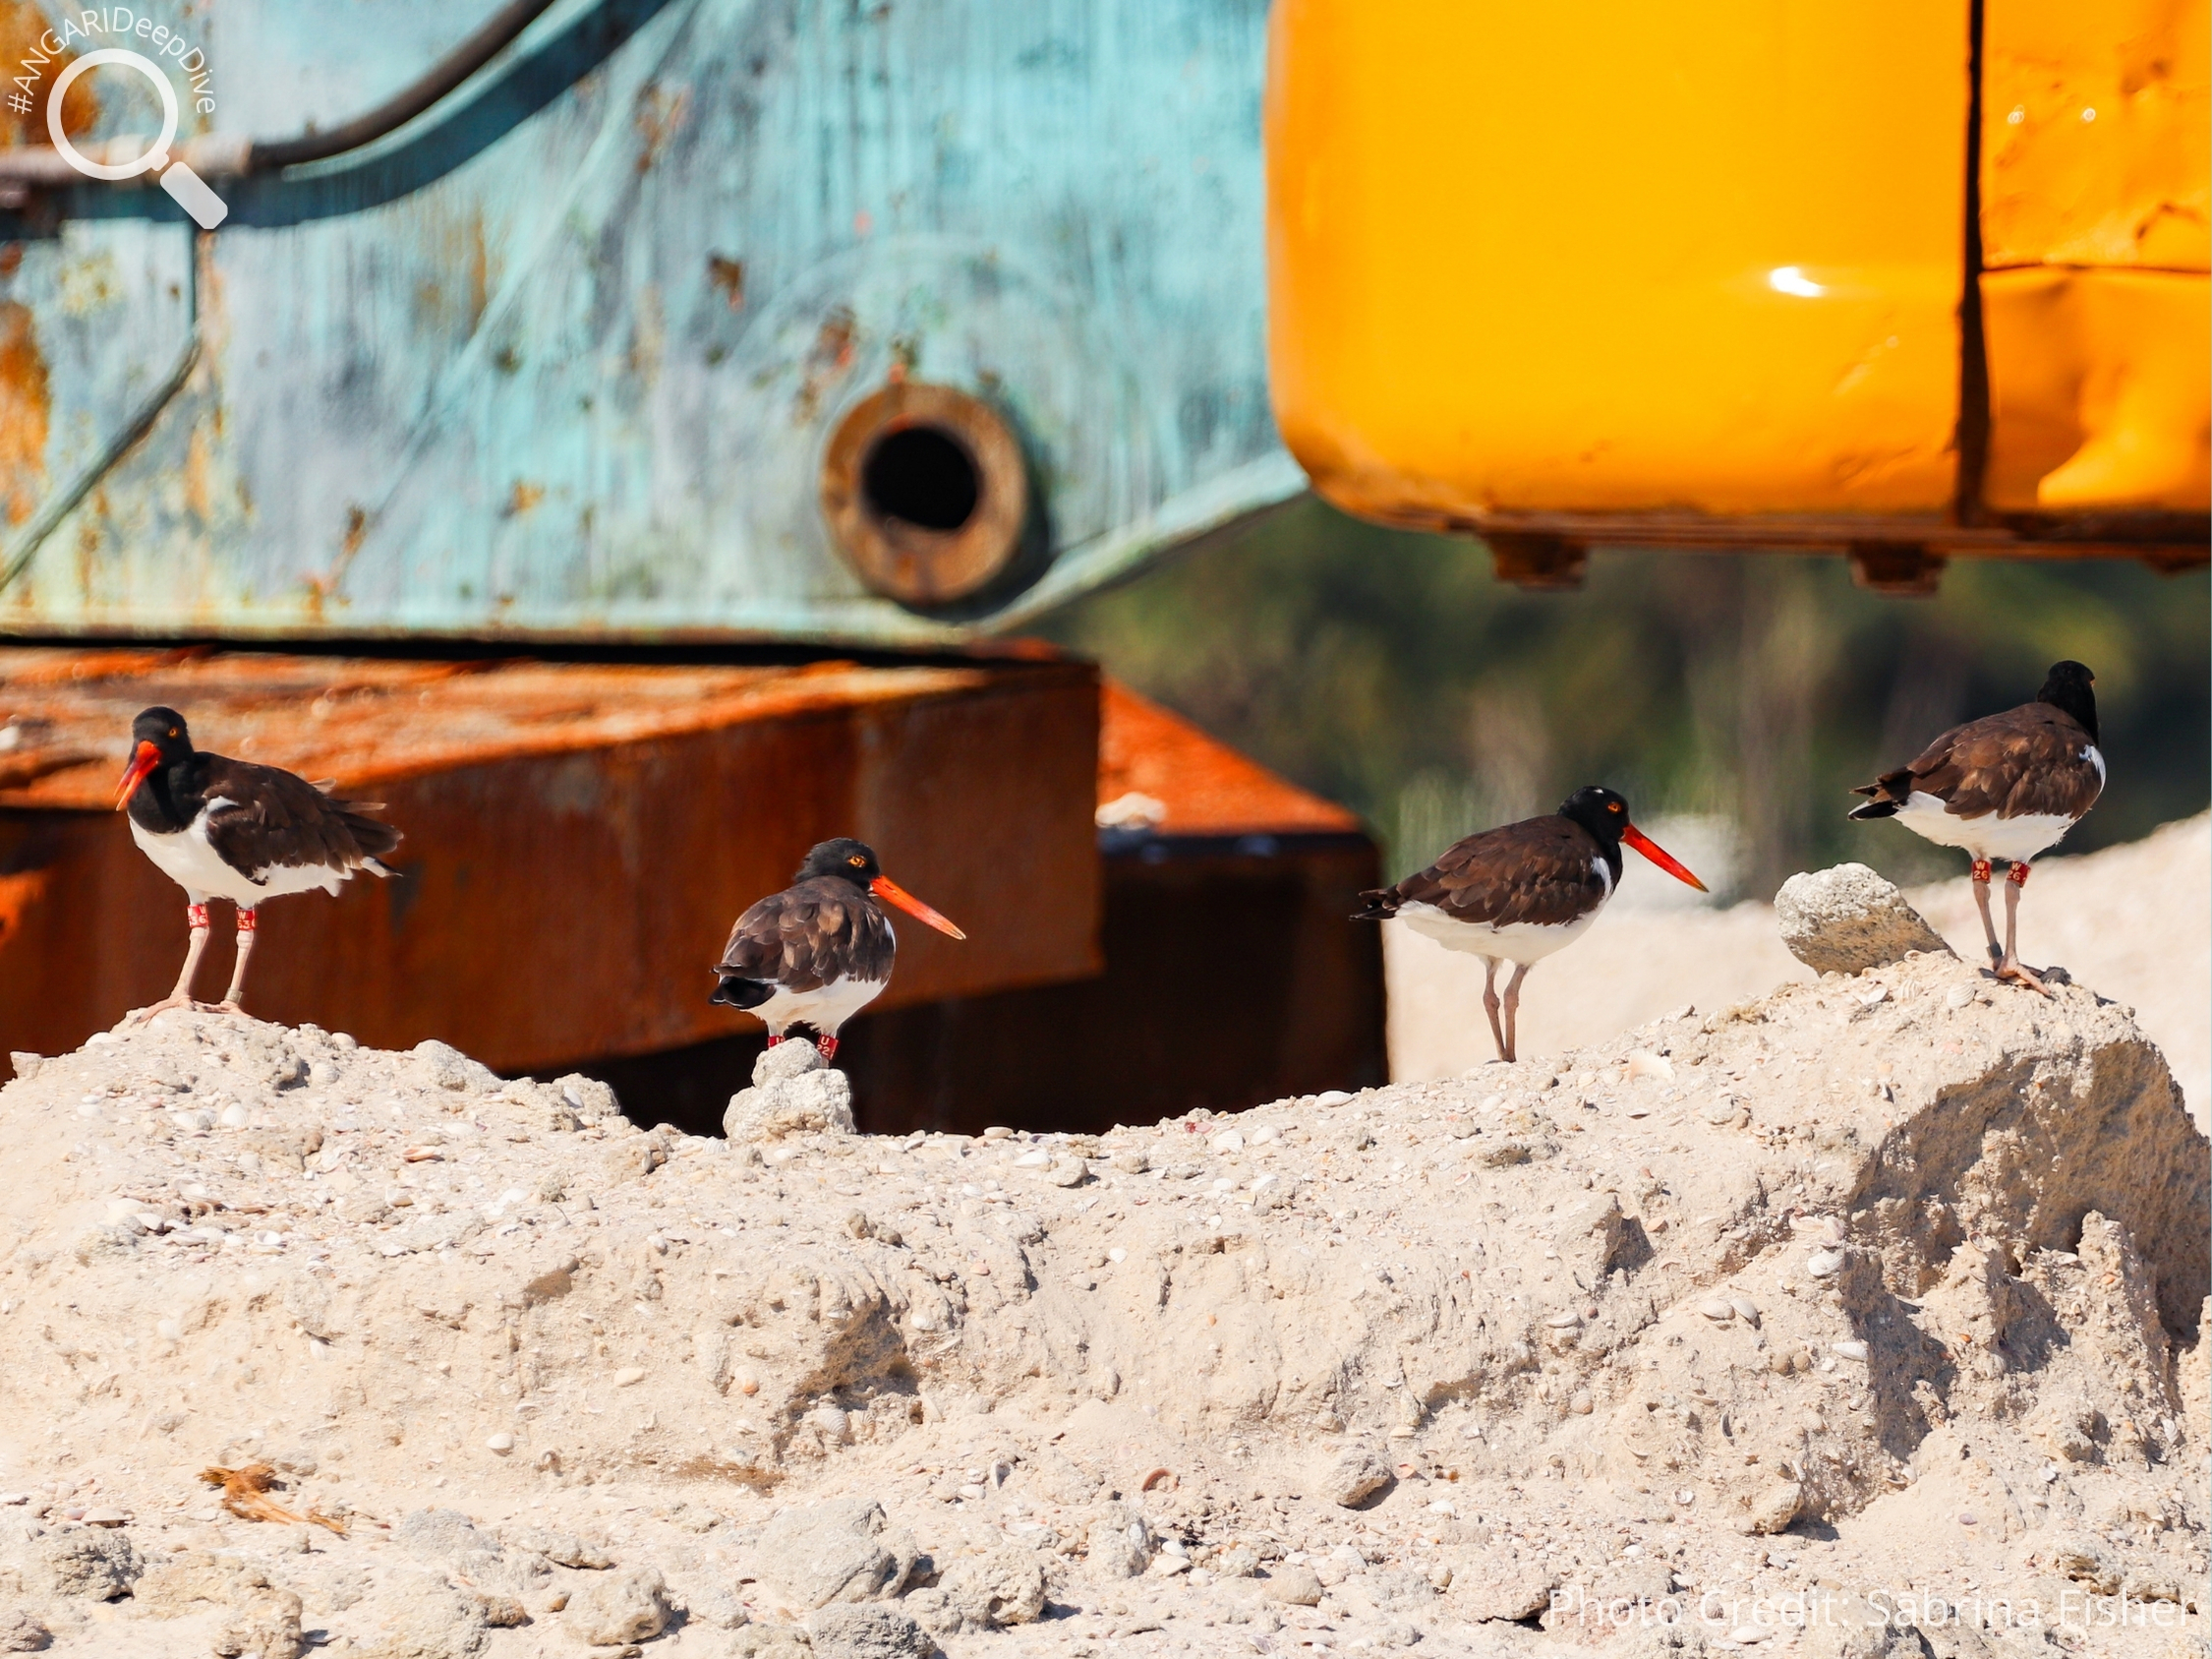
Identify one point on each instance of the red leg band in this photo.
(246, 921)
(774, 1038)
(1981, 872)
(2019, 875)
(826, 1047)
(195, 915)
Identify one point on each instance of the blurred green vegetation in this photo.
(1394, 673)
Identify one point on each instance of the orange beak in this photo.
(1659, 855)
(143, 761)
(883, 887)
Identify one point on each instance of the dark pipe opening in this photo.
(923, 475)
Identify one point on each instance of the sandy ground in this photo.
(2134, 922)
(1770, 1329)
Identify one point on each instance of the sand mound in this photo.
(1882, 1284)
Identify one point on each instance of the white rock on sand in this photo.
(2134, 922)
(1879, 1292)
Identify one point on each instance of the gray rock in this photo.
(1114, 1553)
(2086, 1561)
(846, 1630)
(986, 1593)
(410, 1615)
(1356, 1475)
(716, 1604)
(592, 1100)
(1842, 919)
(266, 1626)
(1118, 1544)
(1775, 1507)
(562, 1549)
(438, 1532)
(1294, 1586)
(94, 1562)
(795, 1091)
(448, 1068)
(840, 1550)
(20, 1632)
(620, 1608)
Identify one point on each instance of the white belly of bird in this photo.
(192, 864)
(1988, 836)
(825, 1009)
(1520, 942)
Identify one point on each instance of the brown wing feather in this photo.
(1544, 871)
(809, 935)
(270, 819)
(2031, 759)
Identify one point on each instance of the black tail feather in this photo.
(372, 836)
(733, 993)
(1379, 906)
(1888, 793)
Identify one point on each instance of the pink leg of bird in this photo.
(1981, 902)
(248, 929)
(2009, 965)
(1491, 1007)
(1513, 1003)
(196, 919)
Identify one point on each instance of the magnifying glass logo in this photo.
(184, 186)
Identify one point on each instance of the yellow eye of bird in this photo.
(856, 862)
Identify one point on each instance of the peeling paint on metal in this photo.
(644, 268)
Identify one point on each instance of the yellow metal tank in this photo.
(1909, 278)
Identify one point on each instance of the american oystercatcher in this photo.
(2004, 789)
(1520, 892)
(231, 829)
(820, 951)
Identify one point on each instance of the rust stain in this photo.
(22, 23)
(729, 275)
(659, 113)
(523, 496)
(199, 498)
(480, 271)
(321, 585)
(26, 405)
(827, 359)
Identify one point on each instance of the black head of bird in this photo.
(1604, 814)
(159, 738)
(847, 860)
(2070, 686)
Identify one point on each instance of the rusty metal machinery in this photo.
(1232, 977)
(571, 320)
(1907, 280)
(579, 835)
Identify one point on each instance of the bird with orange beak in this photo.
(821, 950)
(232, 829)
(1521, 891)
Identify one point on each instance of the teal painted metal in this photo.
(564, 355)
